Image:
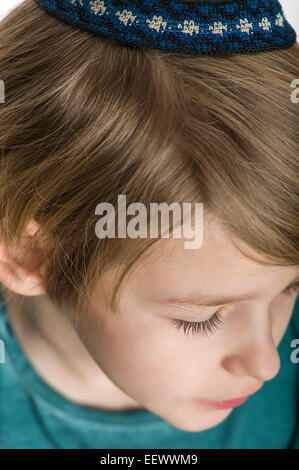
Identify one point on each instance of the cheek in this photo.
(151, 360)
(179, 368)
(284, 304)
(281, 313)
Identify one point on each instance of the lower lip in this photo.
(224, 405)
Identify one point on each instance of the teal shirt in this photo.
(35, 416)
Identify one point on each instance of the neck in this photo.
(38, 321)
(61, 359)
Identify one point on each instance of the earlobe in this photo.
(21, 275)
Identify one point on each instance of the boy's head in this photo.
(86, 120)
(162, 363)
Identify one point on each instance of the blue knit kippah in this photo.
(184, 27)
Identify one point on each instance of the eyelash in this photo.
(210, 325)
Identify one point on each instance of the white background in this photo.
(291, 9)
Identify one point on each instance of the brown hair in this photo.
(86, 119)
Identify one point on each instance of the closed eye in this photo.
(216, 320)
(292, 288)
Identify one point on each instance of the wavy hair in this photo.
(86, 119)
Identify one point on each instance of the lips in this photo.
(226, 404)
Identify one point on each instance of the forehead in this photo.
(169, 266)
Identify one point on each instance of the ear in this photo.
(23, 276)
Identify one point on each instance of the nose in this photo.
(255, 354)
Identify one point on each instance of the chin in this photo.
(197, 420)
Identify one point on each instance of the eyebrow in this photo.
(211, 301)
